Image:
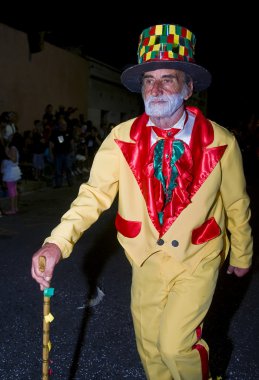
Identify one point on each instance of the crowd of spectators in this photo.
(58, 147)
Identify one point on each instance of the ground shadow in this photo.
(95, 259)
(228, 296)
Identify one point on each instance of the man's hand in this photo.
(239, 272)
(52, 255)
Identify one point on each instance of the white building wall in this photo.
(29, 82)
(60, 77)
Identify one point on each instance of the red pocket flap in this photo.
(207, 231)
(127, 228)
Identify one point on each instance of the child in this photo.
(11, 174)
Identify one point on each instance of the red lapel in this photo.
(204, 159)
(139, 157)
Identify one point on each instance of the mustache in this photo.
(160, 98)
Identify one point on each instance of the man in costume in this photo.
(182, 206)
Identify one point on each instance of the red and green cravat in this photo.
(167, 152)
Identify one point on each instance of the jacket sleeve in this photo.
(93, 198)
(236, 202)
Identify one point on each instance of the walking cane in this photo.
(47, 319)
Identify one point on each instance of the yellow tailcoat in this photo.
(218, 203)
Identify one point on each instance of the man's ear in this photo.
(190, 90)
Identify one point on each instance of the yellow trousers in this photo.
(168, 306)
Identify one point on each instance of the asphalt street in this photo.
(97, 343)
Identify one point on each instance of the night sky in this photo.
(227, 43)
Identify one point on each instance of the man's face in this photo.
(163, 92)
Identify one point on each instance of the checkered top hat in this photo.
(166, 47)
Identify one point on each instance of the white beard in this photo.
(163, 106)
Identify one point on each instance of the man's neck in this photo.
(168, 122)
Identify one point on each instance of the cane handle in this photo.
(42, 263)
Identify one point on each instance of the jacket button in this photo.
(160, 242)
(175, 243)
